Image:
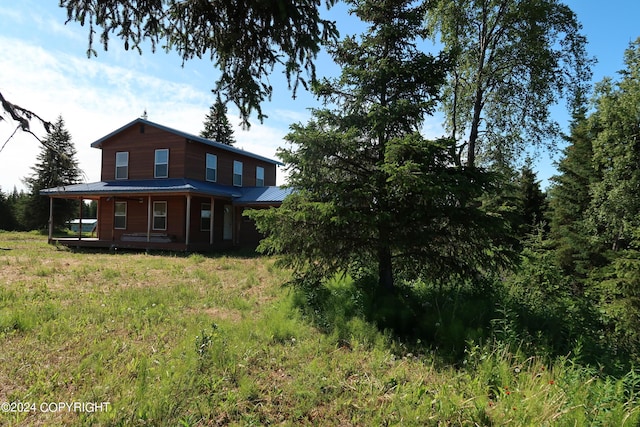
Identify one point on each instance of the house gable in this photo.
(140, 142)
(187, 155)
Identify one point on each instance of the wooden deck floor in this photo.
(91, 242)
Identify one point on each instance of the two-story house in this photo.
(161, 188)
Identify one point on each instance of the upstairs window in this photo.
(122, 165)
(212, 168)
(237, 173)
(259, 176)
(161, 169)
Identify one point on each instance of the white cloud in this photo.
(94, 99)
(11, 14)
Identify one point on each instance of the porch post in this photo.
(113, 220)
(236, 225)
(188, 221)
(98, 216)
(50, 219)
(211, 221)
(80, 225)
(149, 218)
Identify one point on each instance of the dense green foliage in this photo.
(595, 211)
(570, 197)
(216, 124)
(374, 197)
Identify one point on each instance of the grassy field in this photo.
(216, 340)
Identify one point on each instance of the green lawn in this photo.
(197, 340)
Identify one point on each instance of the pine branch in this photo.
(23, 117)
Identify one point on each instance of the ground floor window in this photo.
(159, 215)
(120, 216)
(205, 217)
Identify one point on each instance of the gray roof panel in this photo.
(239, 195)
(98, 143)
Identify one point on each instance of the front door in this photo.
(227, 231)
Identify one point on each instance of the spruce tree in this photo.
(7, 216)
(530, 199)
(216, 124)
(56, 166)
(373, 195)
(570, 198)
(615, 207)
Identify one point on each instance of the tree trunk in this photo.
(475, 125)
(385, 264)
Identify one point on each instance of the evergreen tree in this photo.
(7, 215)
(17, 201)
(614, 213)
(615, 206)
(373, 196)
(531, 201)
(56, 166)
(216, 124)
(570, 198)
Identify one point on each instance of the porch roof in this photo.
(239, 195)
(262, 195)
(143, 186)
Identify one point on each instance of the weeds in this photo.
(198, 341)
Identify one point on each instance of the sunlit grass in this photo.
(198, 340)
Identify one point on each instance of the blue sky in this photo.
(44, 67)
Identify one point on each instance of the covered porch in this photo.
(174, 215)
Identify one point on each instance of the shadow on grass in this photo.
(233, 253)
(426, 318)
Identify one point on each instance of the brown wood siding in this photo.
(141, 148)
(105, 218)
(247, 234)
(186, 159)
(199, 236)
(137, 216)
(196, 159)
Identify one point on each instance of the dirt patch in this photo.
(221, 313)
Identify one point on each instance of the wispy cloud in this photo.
(12, 14)
(94, 99)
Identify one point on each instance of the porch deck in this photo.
(92, 242)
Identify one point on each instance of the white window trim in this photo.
(258, 177)
(237, 164)
(121, 165)
(153, 221)
(156, 164)
(115, 214)
(215, 168)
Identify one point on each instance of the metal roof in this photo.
(144, 186)
(98, 143)
(240, 195)
(257, 195)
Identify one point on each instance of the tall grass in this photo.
(197, 340)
